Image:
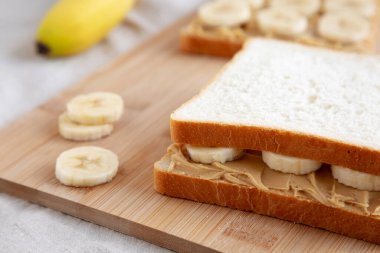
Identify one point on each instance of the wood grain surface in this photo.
(154, 79)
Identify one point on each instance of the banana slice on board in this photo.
(225, 13)
(289, 164)
(95, 108)
(367, 8)
(209, 155)
(281, 21)
(86, 166)
(356, 179)
(78, 132)
(345, 27)
(304, 7)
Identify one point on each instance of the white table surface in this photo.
(27, 80)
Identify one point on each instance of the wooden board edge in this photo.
(131, 228)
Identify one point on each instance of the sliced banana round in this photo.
(289, 164)
(356, 179)
(86, 166)
(367, 8)
(78, 132)
(209, 155)
(305, 7)
(255, 4)
(95, 108)
(285, 22)
(225, 13)
(345, 27)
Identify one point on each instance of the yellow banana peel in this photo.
(72, 26)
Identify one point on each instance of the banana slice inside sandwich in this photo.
(367, 8)
(356, 179)
(283, 21)
(78, 132)
(225, 13)
(346, 27)
(95, 108)
(209, 155)
(289, 164)
(86, 166)
(305, 7)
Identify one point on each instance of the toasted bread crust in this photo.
(225, 48)
(200, 45)
(263, 202)
(278, 141)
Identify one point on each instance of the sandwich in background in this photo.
(221, 26)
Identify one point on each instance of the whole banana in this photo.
(72, 26)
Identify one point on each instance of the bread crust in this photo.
(224, 48)
(266, 203)
(201, 45)
(279, 141)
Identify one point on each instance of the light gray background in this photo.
(27, 80)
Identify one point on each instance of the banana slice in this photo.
(367, 8)
(345, 27)
(86, 166)
(356, 179)
(289, 164)
(224, 13)
(304, 7)
(281, 21)
(95, 108)
(209, 155)
(256, 4)
(78, 132)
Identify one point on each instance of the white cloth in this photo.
(27, 80)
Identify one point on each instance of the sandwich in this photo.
(221, 26)
(287, 131)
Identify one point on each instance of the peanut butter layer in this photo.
(251, 171)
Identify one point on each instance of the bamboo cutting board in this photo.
(154, 79)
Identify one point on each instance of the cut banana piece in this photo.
(225, 13)
(86, 166)
(304, 7)
(78, 132)
(255, 4)
(289, 164)
(209, 155)
(367, 8)
(356, 179)
(345, 27)
(95, 108)
(285, 22)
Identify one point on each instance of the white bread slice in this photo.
(290, 99)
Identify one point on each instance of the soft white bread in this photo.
(290, 99)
